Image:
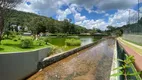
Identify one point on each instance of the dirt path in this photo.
(132, 51)
(91, 64)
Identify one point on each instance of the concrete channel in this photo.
(93, 63)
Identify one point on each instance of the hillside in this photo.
(42, 23)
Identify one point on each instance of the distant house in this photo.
(16, 28)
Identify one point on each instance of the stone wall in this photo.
(17, 66)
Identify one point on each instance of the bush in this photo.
(72, 42)
(55, 50)
(18, 37)
(15, 39)
(46, 40)
(26, 43)
(10, 35)
(40, 42)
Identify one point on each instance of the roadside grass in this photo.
(138, 50)
(14, 46)
(134, 42)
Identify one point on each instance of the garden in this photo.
(16, 42)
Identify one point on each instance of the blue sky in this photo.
(86, 13)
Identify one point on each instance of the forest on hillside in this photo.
(36, 24)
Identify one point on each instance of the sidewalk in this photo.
(133, 49)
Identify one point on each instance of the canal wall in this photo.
(17, 66)
(133, 38)
(120, 53)
(52, 59)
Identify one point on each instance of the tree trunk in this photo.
(1, 26)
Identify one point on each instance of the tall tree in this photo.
(5, 7)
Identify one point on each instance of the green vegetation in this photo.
(114, 31)
(26, 43)
(133, 42)
(20, 43)
(19, 22)
(40, 42)
(126, 69)
(5, 8)
(73, 42)
(15, 46)
(134, 28)
(37, 24)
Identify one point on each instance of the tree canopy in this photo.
(5, 8)
(36, 23)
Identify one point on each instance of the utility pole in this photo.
(129, 18)
(138, 10)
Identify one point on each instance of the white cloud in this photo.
(26, 8)
(116, 4)
(75, 8)
(61, 15)
(45, 7)
(106, 14)
(89, 24)
(122, 17)
(99, 12)
(78, 17)
(105, 5)
(52, 7)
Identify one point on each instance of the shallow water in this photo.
(60, 42)
(91, 64)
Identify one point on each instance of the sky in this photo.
(87, 13)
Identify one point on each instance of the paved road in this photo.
(90, 64)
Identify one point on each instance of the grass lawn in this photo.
(14, 46)
(134, 42)
(132, 46)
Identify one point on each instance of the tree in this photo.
(66, 25)
(111, 28)
(5, 7)
(36, 26)
(93, 31)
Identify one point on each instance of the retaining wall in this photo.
(134, 38)
(17, 66)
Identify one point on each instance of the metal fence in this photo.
(133, 29)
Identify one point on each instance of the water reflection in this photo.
(86, 40)
(60, 42)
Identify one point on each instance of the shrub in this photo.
(73, 42)
(55, 50)
(18, 37)
(26, 43)
(46, 40)
(15, 39)
(40, 42)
